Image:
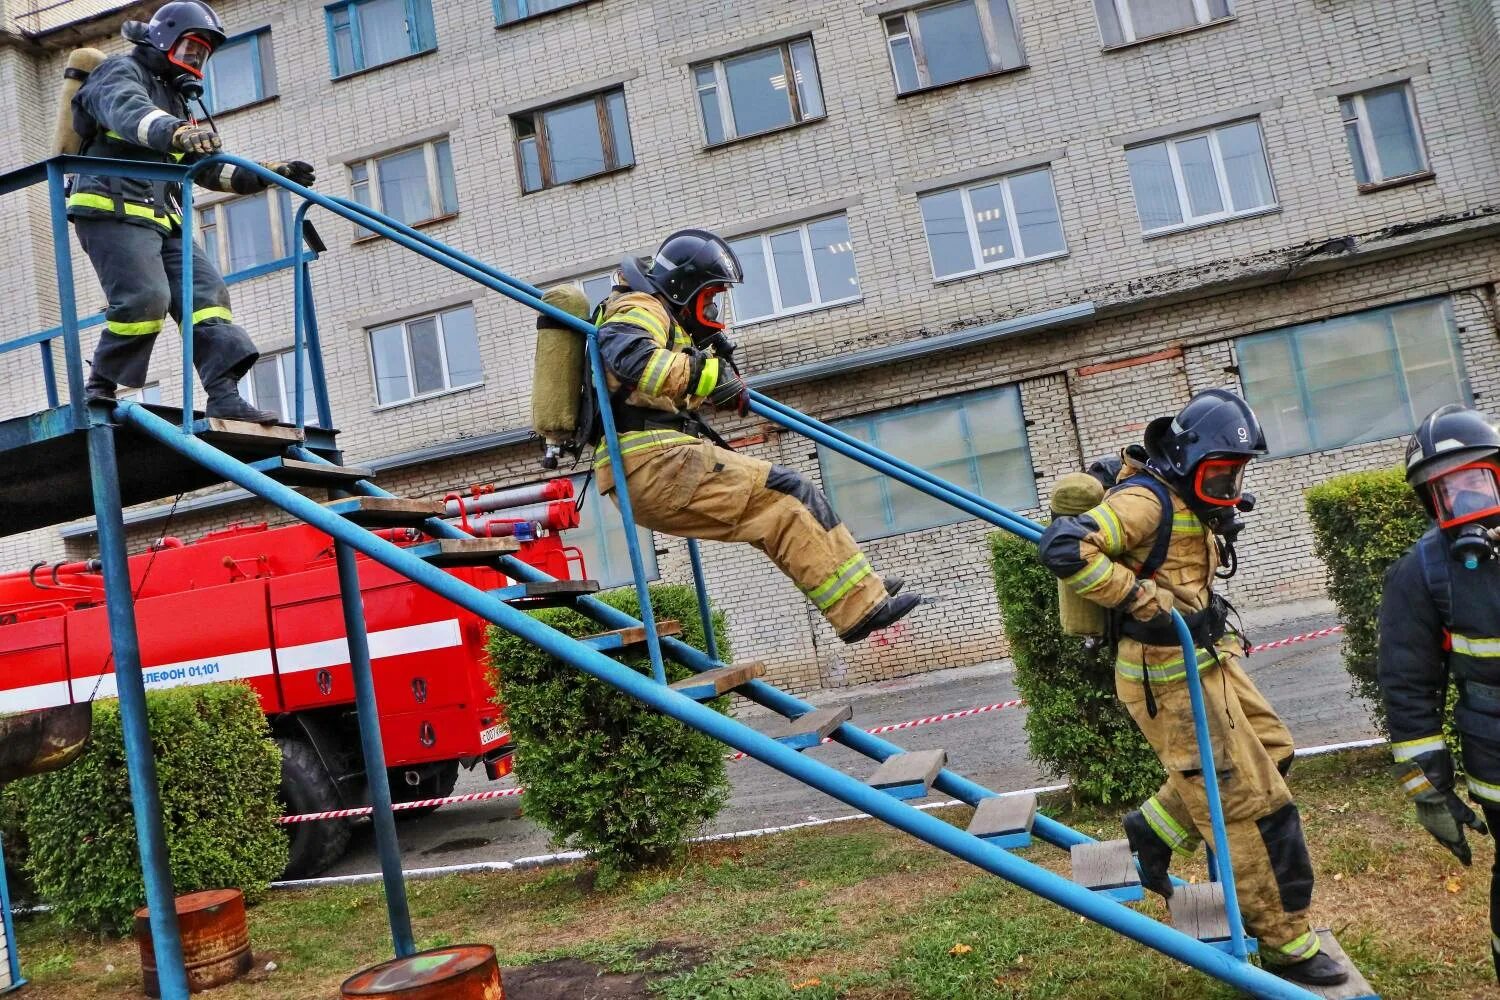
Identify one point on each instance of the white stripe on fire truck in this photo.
(205, 670)
(29, 699)
(390, 642)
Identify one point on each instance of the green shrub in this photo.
(217, 769)
(603, 773)
(1075, 725)
(1362, 522)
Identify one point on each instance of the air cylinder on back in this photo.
(557, 374)
(1074, 494)
(81, 62)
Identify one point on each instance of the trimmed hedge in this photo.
(1075, 725)
(218, 771)
(603, 773)
(1362, 522)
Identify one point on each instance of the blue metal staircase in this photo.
(999, 825)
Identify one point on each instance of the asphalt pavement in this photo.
(1306, 682)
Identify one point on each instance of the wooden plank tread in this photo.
(465, 551)
(1109, 865)
(1356, 987)
(810, 729)
(917, 767)
(712, 683)
(1198, 911)
(242, 432)
(1005, 814)
(298, 473)
(385, 512)
(635, 635)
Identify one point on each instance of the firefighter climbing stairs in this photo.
(268, 462)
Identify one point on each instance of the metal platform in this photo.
(44, 464)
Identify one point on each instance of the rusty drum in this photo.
(42, 741)
(460, 972)
(215, 940)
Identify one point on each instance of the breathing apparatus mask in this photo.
(1453, 464)
(1466, 503)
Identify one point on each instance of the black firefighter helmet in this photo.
(689, 270)
(1451, 464)
(1202, 452)
(185, 32)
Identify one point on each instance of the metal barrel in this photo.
(215, 940)
(458, 972)
(44, 740)
(553, 489)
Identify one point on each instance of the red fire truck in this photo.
(261, 606)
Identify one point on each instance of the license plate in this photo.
(490, 735)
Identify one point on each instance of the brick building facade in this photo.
(1151, 198)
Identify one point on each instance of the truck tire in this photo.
(306, 787)
(438, 781)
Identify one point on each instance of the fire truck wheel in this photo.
(438, 781)
(307, 788)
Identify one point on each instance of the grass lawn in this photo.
(853, 910)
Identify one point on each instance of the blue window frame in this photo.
(976, 440)
(509, 11)
(249, 235)
(366, 33)
(1362, 377)
(242, 71)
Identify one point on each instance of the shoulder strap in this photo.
(1158, 553)
(1437, 575)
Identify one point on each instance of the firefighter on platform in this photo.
(1440, 619)
(666, 353)
(1155, 543)
(134, 107)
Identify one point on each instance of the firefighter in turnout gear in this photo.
(1156, 543)
(666, 353)
(1440, 620)
(134, 107)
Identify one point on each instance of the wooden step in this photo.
(1108, 869)
(1198, 911)
(630, 640)
(293, 472)
(244, 434)
(385, 512)
(712, 683)
(1356, 987)
(909, 775)
(809, 730)
(465, 551)
(548, 594)
(1005, 820)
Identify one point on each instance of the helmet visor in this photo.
(1220, 481)
(1466, 494)
(190, 53)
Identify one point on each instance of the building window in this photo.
(1122, 21)
(413, 185)
(1362, 377)
(804, 267)
(272, 385)
(425, 356)
(572, 141)
(600, 536)
(150, 393)
(241, 72)
(946, 42)
(248, 232)
(748, 94)
(596, 288)
(365, 33)
(1204, 177)
(1009, 220)
(507, 11)
(1385, 139)
(977, 441)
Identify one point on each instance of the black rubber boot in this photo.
(886, 614)
(226, 403)
(1320, 970)
(1154, 855)
(893, 585)
(98, 387)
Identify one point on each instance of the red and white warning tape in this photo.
(929, 720)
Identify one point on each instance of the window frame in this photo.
(149, 394)
(213, 223)
(265, 70)
(1367, 147)
(1221, 175)
(1293, 335)
(912, 31)
(958, 401)
(414, 23)
(803, 230)
(431, 167)
(1126, 20)
(582, 282)
(607, 139)
(286, 405)
(975, 247)
(442, 342)
(501, 22)
(725, 100)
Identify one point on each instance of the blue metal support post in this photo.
(13, 956)
(705, 612)
(67, 304)
(49, 374)
(374, 752)
(145, 800)
(185, 324)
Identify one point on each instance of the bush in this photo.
(1075, 725)
(1362, 522)
(217, 769)
(604, 773)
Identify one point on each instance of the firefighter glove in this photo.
(296, 171)
(731, 392)
(1428, 780)
(200, 139)
(723, 345)
(1147, 601)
